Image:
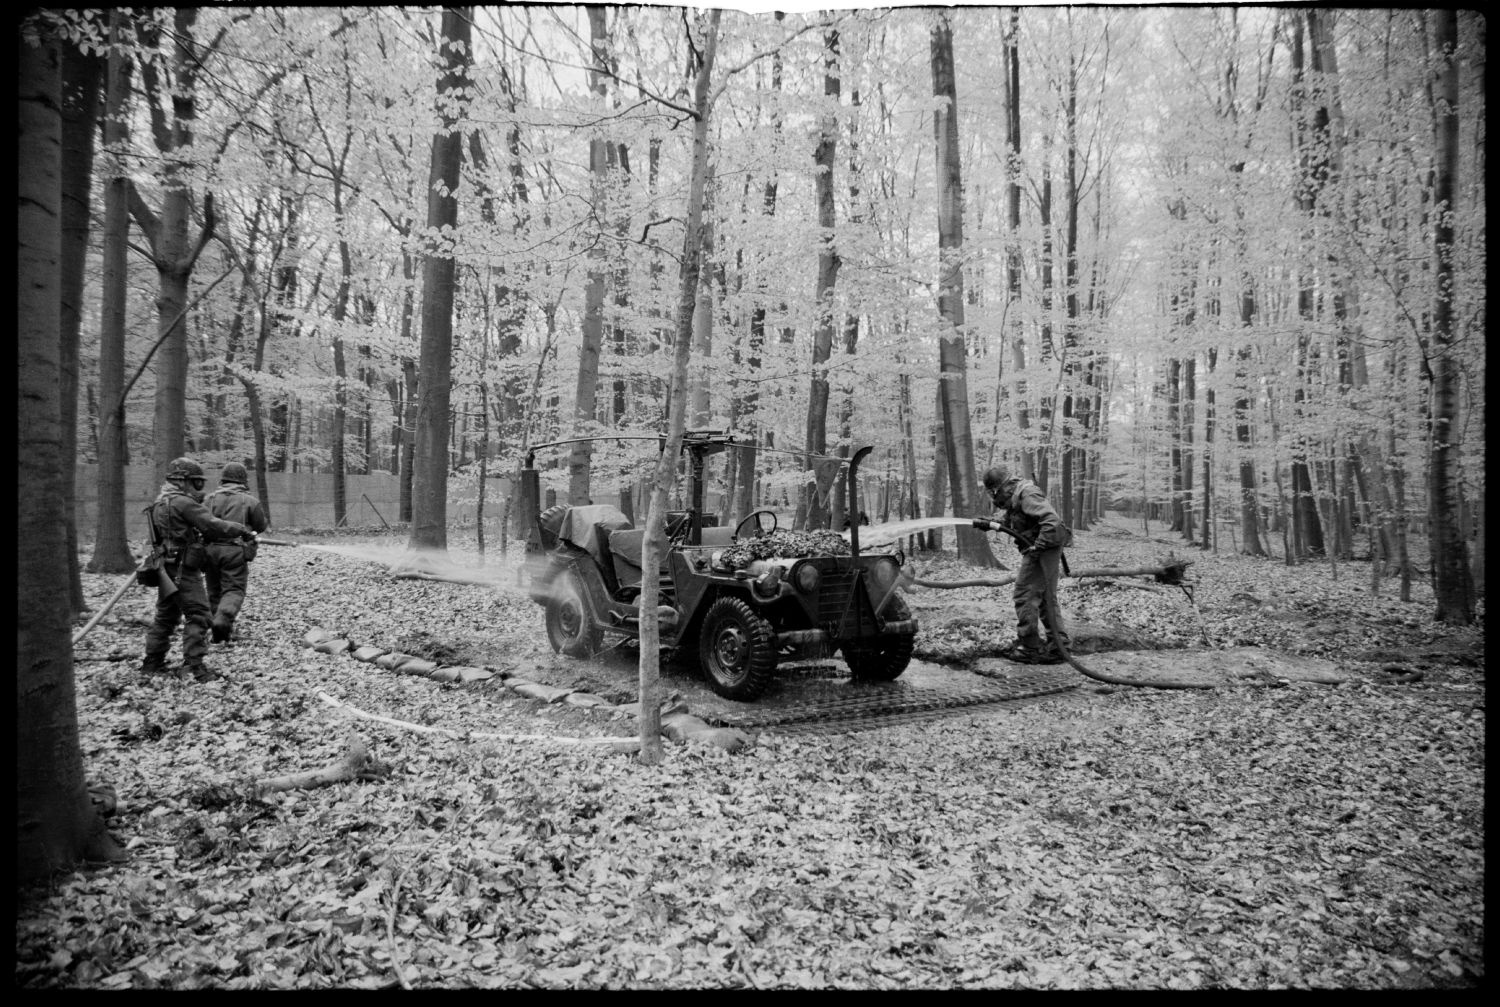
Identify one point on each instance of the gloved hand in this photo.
(248, 535)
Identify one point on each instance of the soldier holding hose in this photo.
(1028, 517)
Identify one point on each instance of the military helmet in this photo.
(182, 469)
(234, 472)
(995, 478)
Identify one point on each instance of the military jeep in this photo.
(746, 598)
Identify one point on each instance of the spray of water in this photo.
(885, 534)
(500, 576)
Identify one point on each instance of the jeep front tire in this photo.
(882, 658)
(737, 649)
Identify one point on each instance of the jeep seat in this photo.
(578, 526)
(625, 550)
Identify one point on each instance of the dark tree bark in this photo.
(111, 543)
(172, 251)
(1452, 579)
(56, 825)
(81, 74)
(953, 381)
(586, 391)
(429, 524)
(1013, 265)
(814, 511)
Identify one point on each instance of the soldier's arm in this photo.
(202, 518)
(1050, 532)
(258, 521)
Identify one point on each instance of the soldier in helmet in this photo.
(182, 525)
(228, 570)
(1041, 536)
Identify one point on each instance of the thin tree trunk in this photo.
(815, 441)
(111, 537)
(586, 395)
(654, 545)
(953, 387)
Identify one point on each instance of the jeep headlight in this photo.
(769, 583)
(807, 578)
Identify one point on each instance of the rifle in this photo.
(150, 573)
(153, 569)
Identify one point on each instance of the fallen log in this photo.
(356, 764)
(1167, 573)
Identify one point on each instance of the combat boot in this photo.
(154, 664)
(200, 673)
(220, 630)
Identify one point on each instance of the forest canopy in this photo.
(1226, 262)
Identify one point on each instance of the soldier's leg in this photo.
(1029, 594)
(1050, 564)
(193, 600)
(212, 579)
(234, 578)
(159, 635)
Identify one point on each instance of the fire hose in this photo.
(115, 598)
(1054, 618)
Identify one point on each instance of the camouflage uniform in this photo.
(181, 524)
(228, 569)
(1043, 536)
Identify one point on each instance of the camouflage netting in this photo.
(786, 544)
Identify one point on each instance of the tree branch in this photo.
(210, 220)
(145, 218)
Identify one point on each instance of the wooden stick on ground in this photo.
(356, 764)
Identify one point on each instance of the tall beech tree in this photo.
(56, 824)
(82, 71)
(171, 84)
(111, 547)
(813, 506)
(1452, 580)
(586, 389)
(953, 379)
(429, 522)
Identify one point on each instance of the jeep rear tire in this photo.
(737, 649)
(882, 658)
(570, 628)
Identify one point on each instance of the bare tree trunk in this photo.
(173, 254)
(586, 396)
(815, 442)
(1453, 582)
(429, 525)
(56, 825)
(1013, 264)
(81, 74)
(953, 387)
(654, 545)
(111, 537)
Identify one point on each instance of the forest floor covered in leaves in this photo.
(1244, 837)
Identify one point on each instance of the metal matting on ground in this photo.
(837, 709)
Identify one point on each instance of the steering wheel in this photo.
(756, 522)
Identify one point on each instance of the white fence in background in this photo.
(301, 499)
